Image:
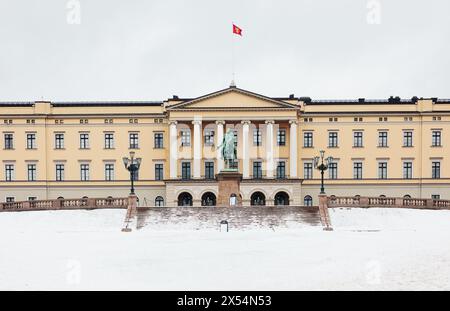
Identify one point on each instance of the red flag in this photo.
(237, 30)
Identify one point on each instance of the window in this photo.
(436, 196)
(281, 137)
(84, 141)
(436, 169)
(357, 139)
(281, 169)
(382, 139)
(84, 172)
(109, 141)
(382, 170)
(9, 141)
(10, 199)
(257, 137)
(186, 170)
(308, 139)
(257, 169)
(109, 172)
(31, 172)
(436, 139)
(159, 140)
(159, 171)
(235, 132)
(9, 172)
(59, 141)
(308, 201)
(209, 170)
(186, 138)
(357, 170)
(407, 139)
(209, 137)
(134, 141)
(31, 141)
(332, 139)
(307, 170)
(59, 172)
(407, 170)
(333, 170)
(159, 201)
(32, 198)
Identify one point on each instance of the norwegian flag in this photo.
(237, 30)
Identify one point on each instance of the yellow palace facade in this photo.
(392, 147)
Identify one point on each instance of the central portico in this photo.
(266, 134)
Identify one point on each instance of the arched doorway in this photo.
(185, 199)
(258, 198)
(208, 199)
(233, 199)
(282, 198)
(308, 201)
(159, 201)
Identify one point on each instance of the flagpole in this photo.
(232, 55)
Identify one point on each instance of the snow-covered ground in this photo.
(370, 249)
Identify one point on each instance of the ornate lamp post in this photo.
(322, 167)
(132, 165)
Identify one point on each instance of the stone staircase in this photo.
(238, 218)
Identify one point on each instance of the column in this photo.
(269, 149)
(220, 163)
(245, 149)
(173, 168)
(293, 149)
(197, 147)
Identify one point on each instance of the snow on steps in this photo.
(239, 218)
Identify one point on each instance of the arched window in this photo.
(308, 201)
(258, 198)
(208, 199)
(60, 198)
(281, 198)
(382, 196)
(406, 196)
(185, 199)
(159, 201)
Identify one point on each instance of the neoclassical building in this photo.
(391, 147)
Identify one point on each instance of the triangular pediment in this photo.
(232, 97)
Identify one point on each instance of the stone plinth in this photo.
(228, 184)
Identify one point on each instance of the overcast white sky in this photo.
(151, 50)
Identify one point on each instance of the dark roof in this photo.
(16, 104)
(108, 104)
(360, 101)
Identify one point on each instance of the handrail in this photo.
(359, 201)
(83, 203)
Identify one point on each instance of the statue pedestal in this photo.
(229, 184)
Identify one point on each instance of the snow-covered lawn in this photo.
(374, 249)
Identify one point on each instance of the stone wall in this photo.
(239, 218)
